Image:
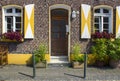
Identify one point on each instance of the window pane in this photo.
(18, 19)
(105, 26)
(9, 10)
(96, 26)
(18, 10)
(105, 11)
(96, 19)
(18, 25)
(9, 26)
(105, 19)
(9, 19)
(9, 23)
(97, 10)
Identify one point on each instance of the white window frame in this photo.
(102, 15)
(13, 14)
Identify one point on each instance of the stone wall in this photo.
(42, 22)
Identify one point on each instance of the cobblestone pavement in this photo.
(24, 73)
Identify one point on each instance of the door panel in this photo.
(59, 39)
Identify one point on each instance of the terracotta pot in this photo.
(41, 65)
(114, 63)
(100, 63)
(78, 65)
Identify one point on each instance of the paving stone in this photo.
(25, 73)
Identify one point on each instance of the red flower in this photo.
(13, 36)
(103, 35)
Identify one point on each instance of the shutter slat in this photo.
(85, 21)
(29, 21)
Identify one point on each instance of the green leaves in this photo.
(106, 47)
(114, 49)
(76, 53)
(76, 49)
(100, 49)
(40, 53)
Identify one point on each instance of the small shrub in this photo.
(100, 49)
(113, 49)
(40, 53)
(76, 53)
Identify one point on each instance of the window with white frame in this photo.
(12, 19)
(103, 20)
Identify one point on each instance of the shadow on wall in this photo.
(29, 62)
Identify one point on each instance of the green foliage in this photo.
(40, 53)
(114, 49)
(37, 59)
(76, 51)
(80, 58)
(100, 49)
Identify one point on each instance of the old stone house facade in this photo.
(58, 23)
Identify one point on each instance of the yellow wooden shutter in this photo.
(29, 21)
(85, 21)
(117, 21)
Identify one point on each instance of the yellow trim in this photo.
(63, 6)
(6, 6)
(103, 6)
(23, 58)
(11, 6)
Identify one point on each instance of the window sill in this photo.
(8, 40)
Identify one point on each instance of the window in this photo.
(102, 20)
(12, 19)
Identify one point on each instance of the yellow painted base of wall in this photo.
(23, 58)
(19, 58)
(27, 58)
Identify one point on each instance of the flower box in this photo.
(11, 37)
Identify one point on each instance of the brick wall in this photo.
(42, 22)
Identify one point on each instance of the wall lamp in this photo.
(74, 14)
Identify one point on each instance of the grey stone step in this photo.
(54, 65)
(59, 59)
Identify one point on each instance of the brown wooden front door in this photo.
(59, 38)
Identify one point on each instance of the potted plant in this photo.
(100, 51)
(40, 56)
(78, 60)
(114, 52)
